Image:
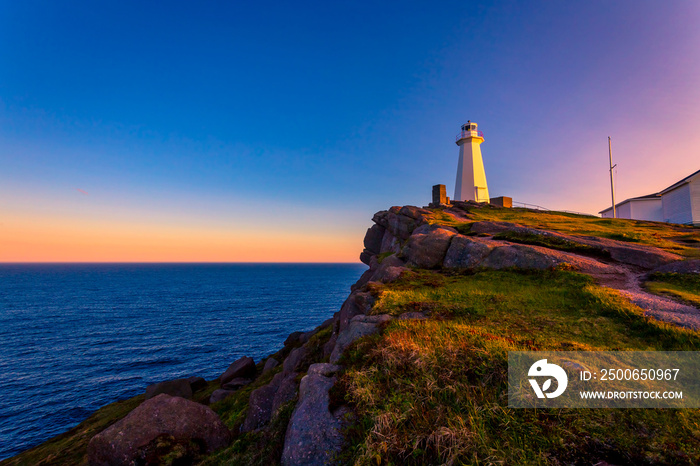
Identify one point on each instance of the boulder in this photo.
(330, 344)
(373, 239)
(219, 394)
(183, 422)
(366, 257)
(286, 391)
(401, 226)
(293, 339)
(177, 387)
(416, 213)
(357, 303)
(360, 326)
(389, 243)
(323, 368)
(197, 383)
(270, 364)
(466, 252)
(235, 384)
(314, 434)
(388, 270)
(243, 367)
(519, 256)
(295, 360)
(260, 405)
(427, 246)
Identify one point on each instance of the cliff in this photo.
(413, 368)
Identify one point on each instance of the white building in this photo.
(639, 208)
(681, 201)
(471, 177)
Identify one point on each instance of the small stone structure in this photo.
(502, 201)
(440, 196)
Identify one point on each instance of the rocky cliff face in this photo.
(402, 238)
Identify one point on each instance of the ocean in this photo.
(75, 337)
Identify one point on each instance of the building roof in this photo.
(648, 197)
(679, 183)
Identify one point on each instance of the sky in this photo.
(272, 132)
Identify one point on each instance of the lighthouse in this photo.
(471, 177)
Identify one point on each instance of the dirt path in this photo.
(628, 282)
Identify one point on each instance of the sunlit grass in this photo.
(435, 391)
(684, 287)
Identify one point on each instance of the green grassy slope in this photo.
(435, 391)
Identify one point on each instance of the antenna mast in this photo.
(612, 181)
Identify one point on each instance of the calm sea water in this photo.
(74, 337)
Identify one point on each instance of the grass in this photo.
(435, 391)
(683, 287)
(677, 239)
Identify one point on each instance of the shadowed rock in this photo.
(357, 303)
(314, 434)
(427, 247)
(360, 326)
(184, 422)
(197, 383)
(177, 387)
(235, 384)
(295, 360)
(466, 252)
(270, 364)
(243, 367)
(220, 394)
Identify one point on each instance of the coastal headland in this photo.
(412, 369)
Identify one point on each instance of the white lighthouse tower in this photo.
(471, 177)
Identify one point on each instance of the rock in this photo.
(401, 226)
(373, 239)
(518, 256)
(286, 391)
(177, 387)
(360, 326)
(197, 383)
(363, 280)
(416, 213)
(270, 364)
(293, 339)
(390, 274)
(357, 303)
(330, 344)
(313, 435)
(389, 243)
(243, 367)
(427, 247)
(412, 316)
(492, 228)
(366, 257)
(294, 361)
(686, 266)
(466, 252)
(260, 405)
(129, 440)
(323, 368)
(647, 257)
(219, 395)
(235, 384)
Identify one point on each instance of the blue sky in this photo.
(229, 116)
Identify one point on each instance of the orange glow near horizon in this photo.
(32, 239)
